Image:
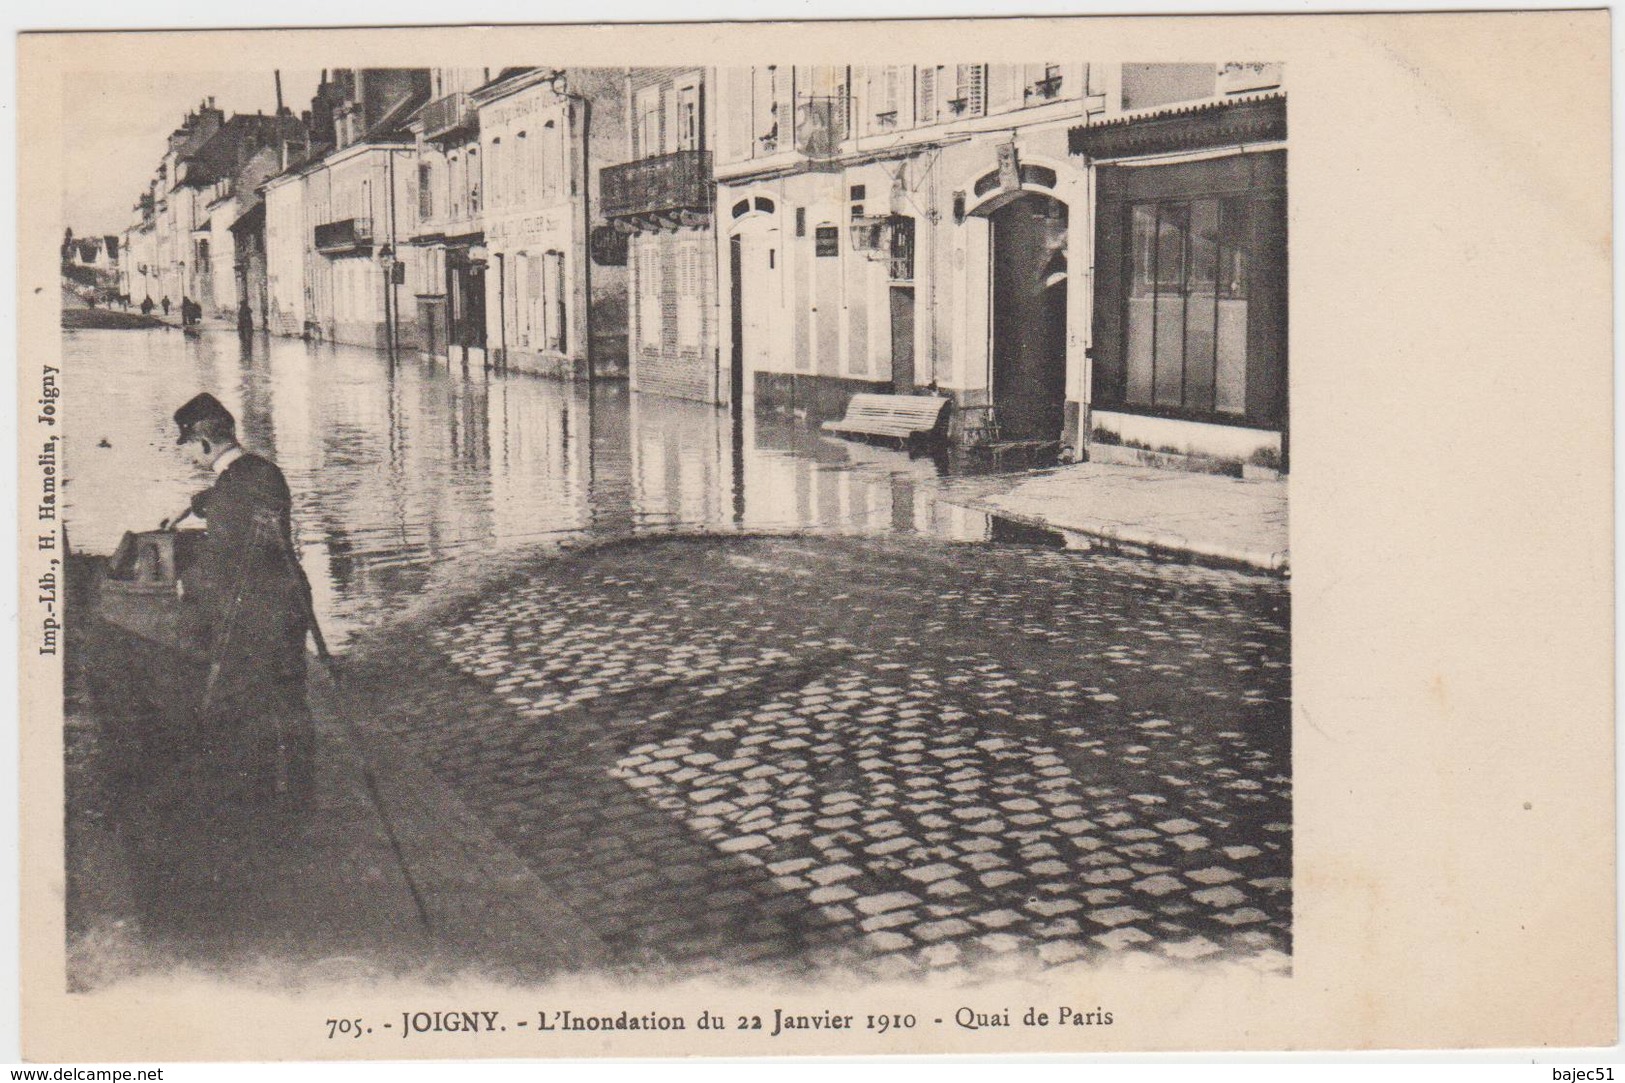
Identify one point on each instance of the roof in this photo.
(511, 81)
(392, 126)
(224, 152)
(251, 219)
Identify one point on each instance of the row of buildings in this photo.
(1087, 253)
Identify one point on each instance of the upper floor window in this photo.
(929, 83)
(1043, 83)
(689, 131)
(885, 98)
(553, 160)
(769, 121)
(519, 167)
(969, 90)
(425, 191)
(496, 193)
(650, 125)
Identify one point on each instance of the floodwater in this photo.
(409, 477)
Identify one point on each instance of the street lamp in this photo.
(387, 261)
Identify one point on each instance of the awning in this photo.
(1224, 123)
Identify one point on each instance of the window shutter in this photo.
(971, 89)
(925, 85)
(1000, 86)
(737, 105)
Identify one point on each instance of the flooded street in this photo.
(843, 746)
(405, 476)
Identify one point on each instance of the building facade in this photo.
(921, 228)
(544, 136)
(173, 211)
(223, 176)
(449, 287)
(661, 202)
(289, 253)
(1189, 343)
(337, 223)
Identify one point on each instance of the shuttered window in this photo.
(556, 338)
(968, 91)
(1002, 92)
(925, 94)
(688, 296)
(649, 295)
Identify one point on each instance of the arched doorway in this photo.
(753, 267)
(1029, 316)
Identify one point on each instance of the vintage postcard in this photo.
(963, 536)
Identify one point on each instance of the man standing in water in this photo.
(254, 728)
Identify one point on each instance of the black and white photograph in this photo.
(744, 522)
(884, 464)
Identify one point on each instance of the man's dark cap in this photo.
(205, 407)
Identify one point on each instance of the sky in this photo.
(117, 125)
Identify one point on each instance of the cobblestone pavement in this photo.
(889, 755)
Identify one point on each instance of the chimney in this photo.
(278, 74)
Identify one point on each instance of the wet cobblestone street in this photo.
(892, 755)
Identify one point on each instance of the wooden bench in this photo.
(903, 418)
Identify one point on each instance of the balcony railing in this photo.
(662, 185)
(347, 235)
(446, 116)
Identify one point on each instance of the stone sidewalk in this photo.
(1220, 519)
(379, 871)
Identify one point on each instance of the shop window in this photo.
(1186, 317)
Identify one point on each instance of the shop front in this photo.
(1189, 343)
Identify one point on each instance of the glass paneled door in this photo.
(1186, 306)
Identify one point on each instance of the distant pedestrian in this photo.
(146, 306)
(164, 304)
(245, 319)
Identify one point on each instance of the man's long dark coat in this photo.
(254, 728)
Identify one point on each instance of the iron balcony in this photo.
(344, 236)
(667, 184)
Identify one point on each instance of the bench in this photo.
(903, 418)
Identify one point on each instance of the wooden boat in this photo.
(140, 646)
(145, 652)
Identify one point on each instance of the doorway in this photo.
(1029, 317)
(736, 359)
(753, 267)
(902, 340)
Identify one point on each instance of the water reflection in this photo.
(406, 475)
